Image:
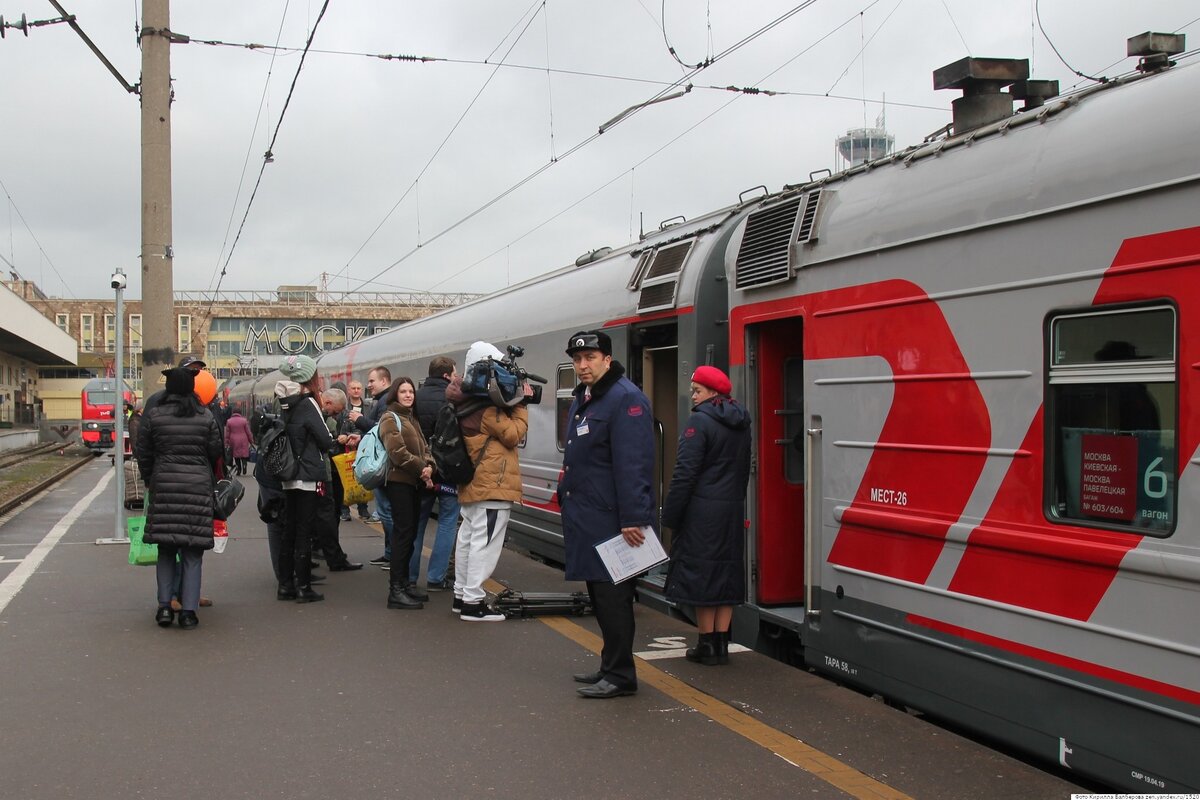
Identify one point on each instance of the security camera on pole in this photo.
(120, 536)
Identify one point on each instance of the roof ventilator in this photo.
(1155, 49)
(806, 231)
(662, 278)
(981, 81)
(762, 258)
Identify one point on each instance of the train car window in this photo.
(564, 387)
(1111, 419)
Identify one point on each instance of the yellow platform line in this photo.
(789, 748)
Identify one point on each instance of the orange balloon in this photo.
(205, 387)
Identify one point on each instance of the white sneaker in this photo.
(479, 612)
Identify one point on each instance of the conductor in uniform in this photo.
(606, 490)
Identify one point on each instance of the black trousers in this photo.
(295, 548)
(406, 507)
(326, 534)
(613, 604)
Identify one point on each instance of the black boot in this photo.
(286, 591)
(305, 594)
(705, 651)
(722, 646)
(416, 593)
(398, 598)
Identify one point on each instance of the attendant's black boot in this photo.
(286, 591)
(400, 599)
(705, 651)
(305, 594)
(722, 646)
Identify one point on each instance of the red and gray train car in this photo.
(973, 368)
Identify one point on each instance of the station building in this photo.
(234, 332)
(29, 343)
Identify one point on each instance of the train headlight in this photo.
(91, 426)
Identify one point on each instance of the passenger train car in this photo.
(973, 368)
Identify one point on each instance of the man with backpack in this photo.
(491, 435)
(430, 399)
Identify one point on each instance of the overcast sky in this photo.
(342, 196)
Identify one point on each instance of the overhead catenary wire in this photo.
(647, 158)
(249, 147)
(577, 147)
(1037, 13)
(32, 235)
(445, 140)
(268, 157)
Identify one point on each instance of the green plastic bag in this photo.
(140, 552)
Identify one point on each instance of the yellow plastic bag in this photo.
(352, 491)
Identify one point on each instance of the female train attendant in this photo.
(705, 507)
(179, 449)
(411, 470)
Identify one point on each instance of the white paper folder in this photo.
(624, 562)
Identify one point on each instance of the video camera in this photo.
(502, 381)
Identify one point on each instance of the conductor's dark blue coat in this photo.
(705, 506)
(608, 470)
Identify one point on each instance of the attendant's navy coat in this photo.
(608, 470)
(705, 506)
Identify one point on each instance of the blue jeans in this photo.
(383, 510)
(443, 544)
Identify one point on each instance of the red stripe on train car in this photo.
(1058, 659)
(895, 320)
(1071, 581)
(668, 314)
(552, 506)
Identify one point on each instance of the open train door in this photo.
(777, 356)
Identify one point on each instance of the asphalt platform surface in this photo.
(346, 699)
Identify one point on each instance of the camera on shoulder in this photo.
(503, 381)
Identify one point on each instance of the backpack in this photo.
(274, 449)
(449, 449)
(371, 463)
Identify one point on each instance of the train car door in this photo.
(779, 387)
(660, 382)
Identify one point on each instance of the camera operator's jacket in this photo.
(498, 474)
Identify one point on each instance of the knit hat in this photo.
(589, 340)
(712, 378)
(179, 380)
(298, 368)
(480, 351)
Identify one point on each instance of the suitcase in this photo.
(135, 489)
(531, 604)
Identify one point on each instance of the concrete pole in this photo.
(159, 335)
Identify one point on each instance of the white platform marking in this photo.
(17, 578)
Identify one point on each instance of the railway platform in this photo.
(346, 699)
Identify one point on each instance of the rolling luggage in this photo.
(135, 489)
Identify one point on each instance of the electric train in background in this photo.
(973, 368)
(98, 403)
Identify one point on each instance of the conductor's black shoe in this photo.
(165, 617)
(188, 620)
(588, 677)
(345, 566)
(379, 562)
(305, 594)
(416, 592)
(602, 690)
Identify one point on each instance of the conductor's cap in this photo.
(589, 340)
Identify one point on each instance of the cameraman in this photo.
(491, 434)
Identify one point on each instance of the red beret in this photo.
(712, 378)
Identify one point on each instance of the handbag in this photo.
(226, 497)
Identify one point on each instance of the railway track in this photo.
(8, 459)
(26, 493)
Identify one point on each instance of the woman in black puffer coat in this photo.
(179, 449)
(705, 507)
